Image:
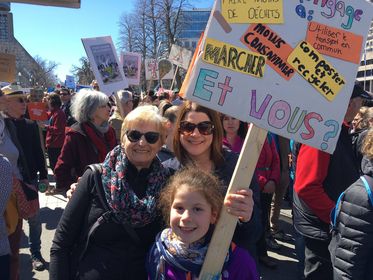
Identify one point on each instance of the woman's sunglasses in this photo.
(204, 128)
(135, 136)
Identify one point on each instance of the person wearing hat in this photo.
(319, 180)
(24, 135)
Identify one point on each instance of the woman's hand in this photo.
(240, 204)
(72, 189)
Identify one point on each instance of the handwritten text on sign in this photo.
(253, 11)
(334, 42)
(279, 114)
(262, 39)
(234, 58)
(311, 65)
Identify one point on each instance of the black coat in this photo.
(111, 253)
(351, 248)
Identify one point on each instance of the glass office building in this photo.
(192, 24)
(365, 73)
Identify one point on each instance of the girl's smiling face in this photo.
(191, 215)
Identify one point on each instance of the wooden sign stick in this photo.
(173, 80)
(226, 225)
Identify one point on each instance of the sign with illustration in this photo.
(180, 56)
(105, 64)
(287, 66)
(131, 63)
(154, 72)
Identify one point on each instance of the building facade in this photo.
(365, 73)
(193, 23)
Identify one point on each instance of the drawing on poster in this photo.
(130, 66)
(106, 63)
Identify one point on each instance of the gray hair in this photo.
(85, 103)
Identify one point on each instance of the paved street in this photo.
(51, 210)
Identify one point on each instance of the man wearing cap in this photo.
(319, 180)
(31, 158)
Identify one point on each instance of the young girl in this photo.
(191, 204)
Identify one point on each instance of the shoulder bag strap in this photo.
(367, 187)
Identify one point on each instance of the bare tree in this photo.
(83, 73)
(43, 74)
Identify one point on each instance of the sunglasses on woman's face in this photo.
(135, 136)
(204, 128)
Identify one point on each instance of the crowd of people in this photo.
(146, 176)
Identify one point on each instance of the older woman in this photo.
(198, 141)
(87, 141)
(131, 180)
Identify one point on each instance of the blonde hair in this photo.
(145, 114)
(367, 149)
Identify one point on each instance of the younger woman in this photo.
(191, 204)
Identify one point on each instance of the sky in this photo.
(55, 33)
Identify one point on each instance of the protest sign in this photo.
(37, 111)
(70, 82)
(304, 93)
(105, 64)
(152, 70)
(180, 56)
(131, 63)
(7, 67)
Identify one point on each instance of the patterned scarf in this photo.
(188, 258)
(127, 207)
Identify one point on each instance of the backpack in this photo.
(108, 215)
(337, 208)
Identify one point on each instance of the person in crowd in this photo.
(87, 141)
(5, 191)
(351, 247)
(357, 124)
(119, 246)
(198, 142)
(25, 136)
(94, 85)
(65, 96)
(191, 204)
(234, 132)
(319, 179)
(268, 174)
(365, 122)
(167, 150)
(124, 106)
(281, 189)
(177, 100)
(55, 129)
(163, 106)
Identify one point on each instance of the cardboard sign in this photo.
(131, 63)
(7, 67)
(256, 11)
(105, 64)
(310, 112)
(37, 111)
(180, 56)
(316, 70)
(234, 58)
(334, 42)
(260, 38)
(152, 70)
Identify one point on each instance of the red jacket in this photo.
(268, 166)
(77, 152)
(56, 129)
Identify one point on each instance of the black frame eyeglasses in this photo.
(204, 128)
(134, 136)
